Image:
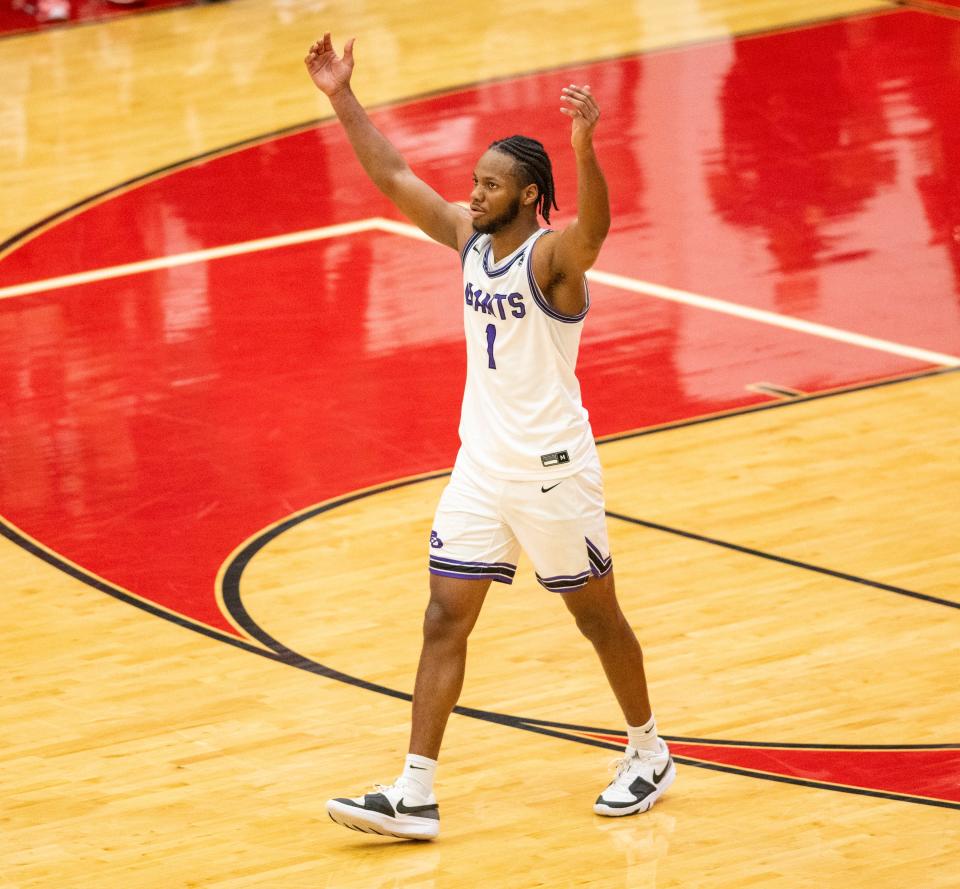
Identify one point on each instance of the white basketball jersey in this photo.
(522, 416)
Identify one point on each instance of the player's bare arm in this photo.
(570, 253)
(443, 221)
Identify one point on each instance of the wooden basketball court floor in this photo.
(229, 383)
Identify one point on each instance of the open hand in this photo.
(330, 72)
(579, 103)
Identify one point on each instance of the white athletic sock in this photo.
(644, 737)
(418, 773)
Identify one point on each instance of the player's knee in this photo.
(593, 625)
(444, 620)
(600, 624)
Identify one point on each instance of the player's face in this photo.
(495, 200)
(488, 225)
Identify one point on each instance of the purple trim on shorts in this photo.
(499, 578)
(564, 583)
(444, 566)
(505, 565)
(599, 565)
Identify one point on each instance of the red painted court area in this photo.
(20, 16)
(929, 773)
(158, 419)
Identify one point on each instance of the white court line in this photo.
(178, 259)
(773, 318)
(403, 228)
(727, 308)
(390, 226)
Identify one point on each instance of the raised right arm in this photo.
(443, 221)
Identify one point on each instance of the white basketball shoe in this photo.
(390, 812)
(641, 778)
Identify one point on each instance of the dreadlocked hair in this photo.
(533, 166)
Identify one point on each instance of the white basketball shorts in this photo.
(483, 522)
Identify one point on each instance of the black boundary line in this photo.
(101, 20)
(776, 745)
(172, 167)
(820, 785)
(292, 129)
(52, 559)
(280, 653)
(794, 563)
(770, 405)
(538, 727)
(550, 729)
(234, 604)
(541, 727)
(931, 8)
(230, 588)
(242, 559)
(775, 390)
(882, 6)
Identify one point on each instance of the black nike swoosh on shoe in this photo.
(640, 788)
(544, 490)
(431, 810)
(658, 778)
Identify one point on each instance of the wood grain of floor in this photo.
(137, 752)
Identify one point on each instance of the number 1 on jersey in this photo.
(491, 337)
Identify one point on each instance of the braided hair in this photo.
(533, 167)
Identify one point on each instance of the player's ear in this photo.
(529, 195)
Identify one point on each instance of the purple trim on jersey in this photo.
(541, 300)
(467, 247)
(563, 583)
(496, 273)
(598, 564)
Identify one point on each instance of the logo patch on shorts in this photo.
(435, 541)
(555, 459)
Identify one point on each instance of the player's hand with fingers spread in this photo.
(579, 103)
(330, 72)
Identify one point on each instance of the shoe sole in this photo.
(382, 825)
(644, 805)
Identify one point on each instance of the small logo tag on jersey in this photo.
(435, 541)
(555, 459)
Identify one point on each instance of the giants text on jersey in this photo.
(521, 402)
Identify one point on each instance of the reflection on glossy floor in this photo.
(20, 16)
(199, 342)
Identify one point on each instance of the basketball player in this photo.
(527, 474)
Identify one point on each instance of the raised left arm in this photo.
(575, 249)
(588, 231)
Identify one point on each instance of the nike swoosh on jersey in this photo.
(544, 490)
